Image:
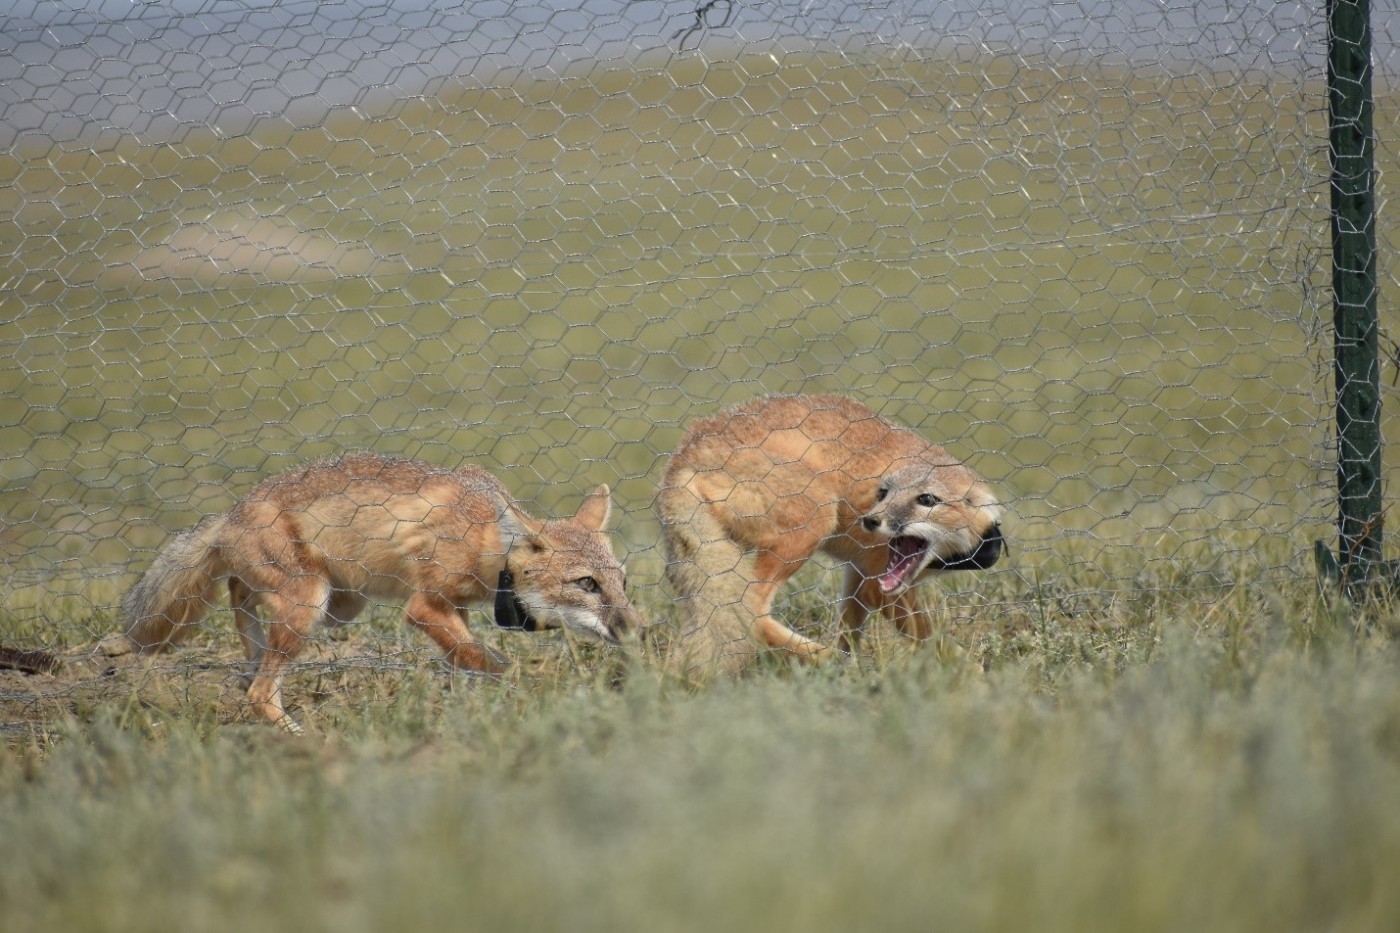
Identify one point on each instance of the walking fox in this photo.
(316, 543)
(755, 491)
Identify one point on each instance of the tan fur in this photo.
(318, 542)
(755, 491)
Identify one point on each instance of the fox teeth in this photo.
(906, 556)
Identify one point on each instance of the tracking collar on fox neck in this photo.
(510, 611)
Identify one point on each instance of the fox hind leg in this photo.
(773, 568)
(726, 592)
(293, 610)
(711, 576)
(251, 631)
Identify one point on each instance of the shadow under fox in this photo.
(315, 544)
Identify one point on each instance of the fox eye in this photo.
(881, 493)
(928, 500)
(587, 583)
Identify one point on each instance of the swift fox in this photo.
(756, 490)
(316, 543)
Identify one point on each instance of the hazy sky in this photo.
(147, 65)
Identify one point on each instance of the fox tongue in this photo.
(905, 557)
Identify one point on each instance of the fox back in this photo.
(380, 526)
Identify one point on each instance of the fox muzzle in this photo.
(626, 623)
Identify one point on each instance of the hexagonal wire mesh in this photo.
(1080, 244)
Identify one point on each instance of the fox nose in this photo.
(627, 622)
(870, 522)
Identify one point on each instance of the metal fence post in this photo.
(1355, 324)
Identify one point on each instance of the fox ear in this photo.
(515, 523)
(596, 508)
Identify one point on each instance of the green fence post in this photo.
(1355, 324)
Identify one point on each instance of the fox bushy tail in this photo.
(178, 589)
(710, 576)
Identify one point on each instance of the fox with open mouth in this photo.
(753, 492)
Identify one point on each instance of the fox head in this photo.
(563, 574)
(933, 518)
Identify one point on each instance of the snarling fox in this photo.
(315, 544)
(756, 490)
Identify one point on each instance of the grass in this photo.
(1216, 757)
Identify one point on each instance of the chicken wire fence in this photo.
(1081, 244)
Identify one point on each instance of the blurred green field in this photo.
(1094, 285)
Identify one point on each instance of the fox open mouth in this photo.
(906, 559)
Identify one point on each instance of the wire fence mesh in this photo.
(1082, 245)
